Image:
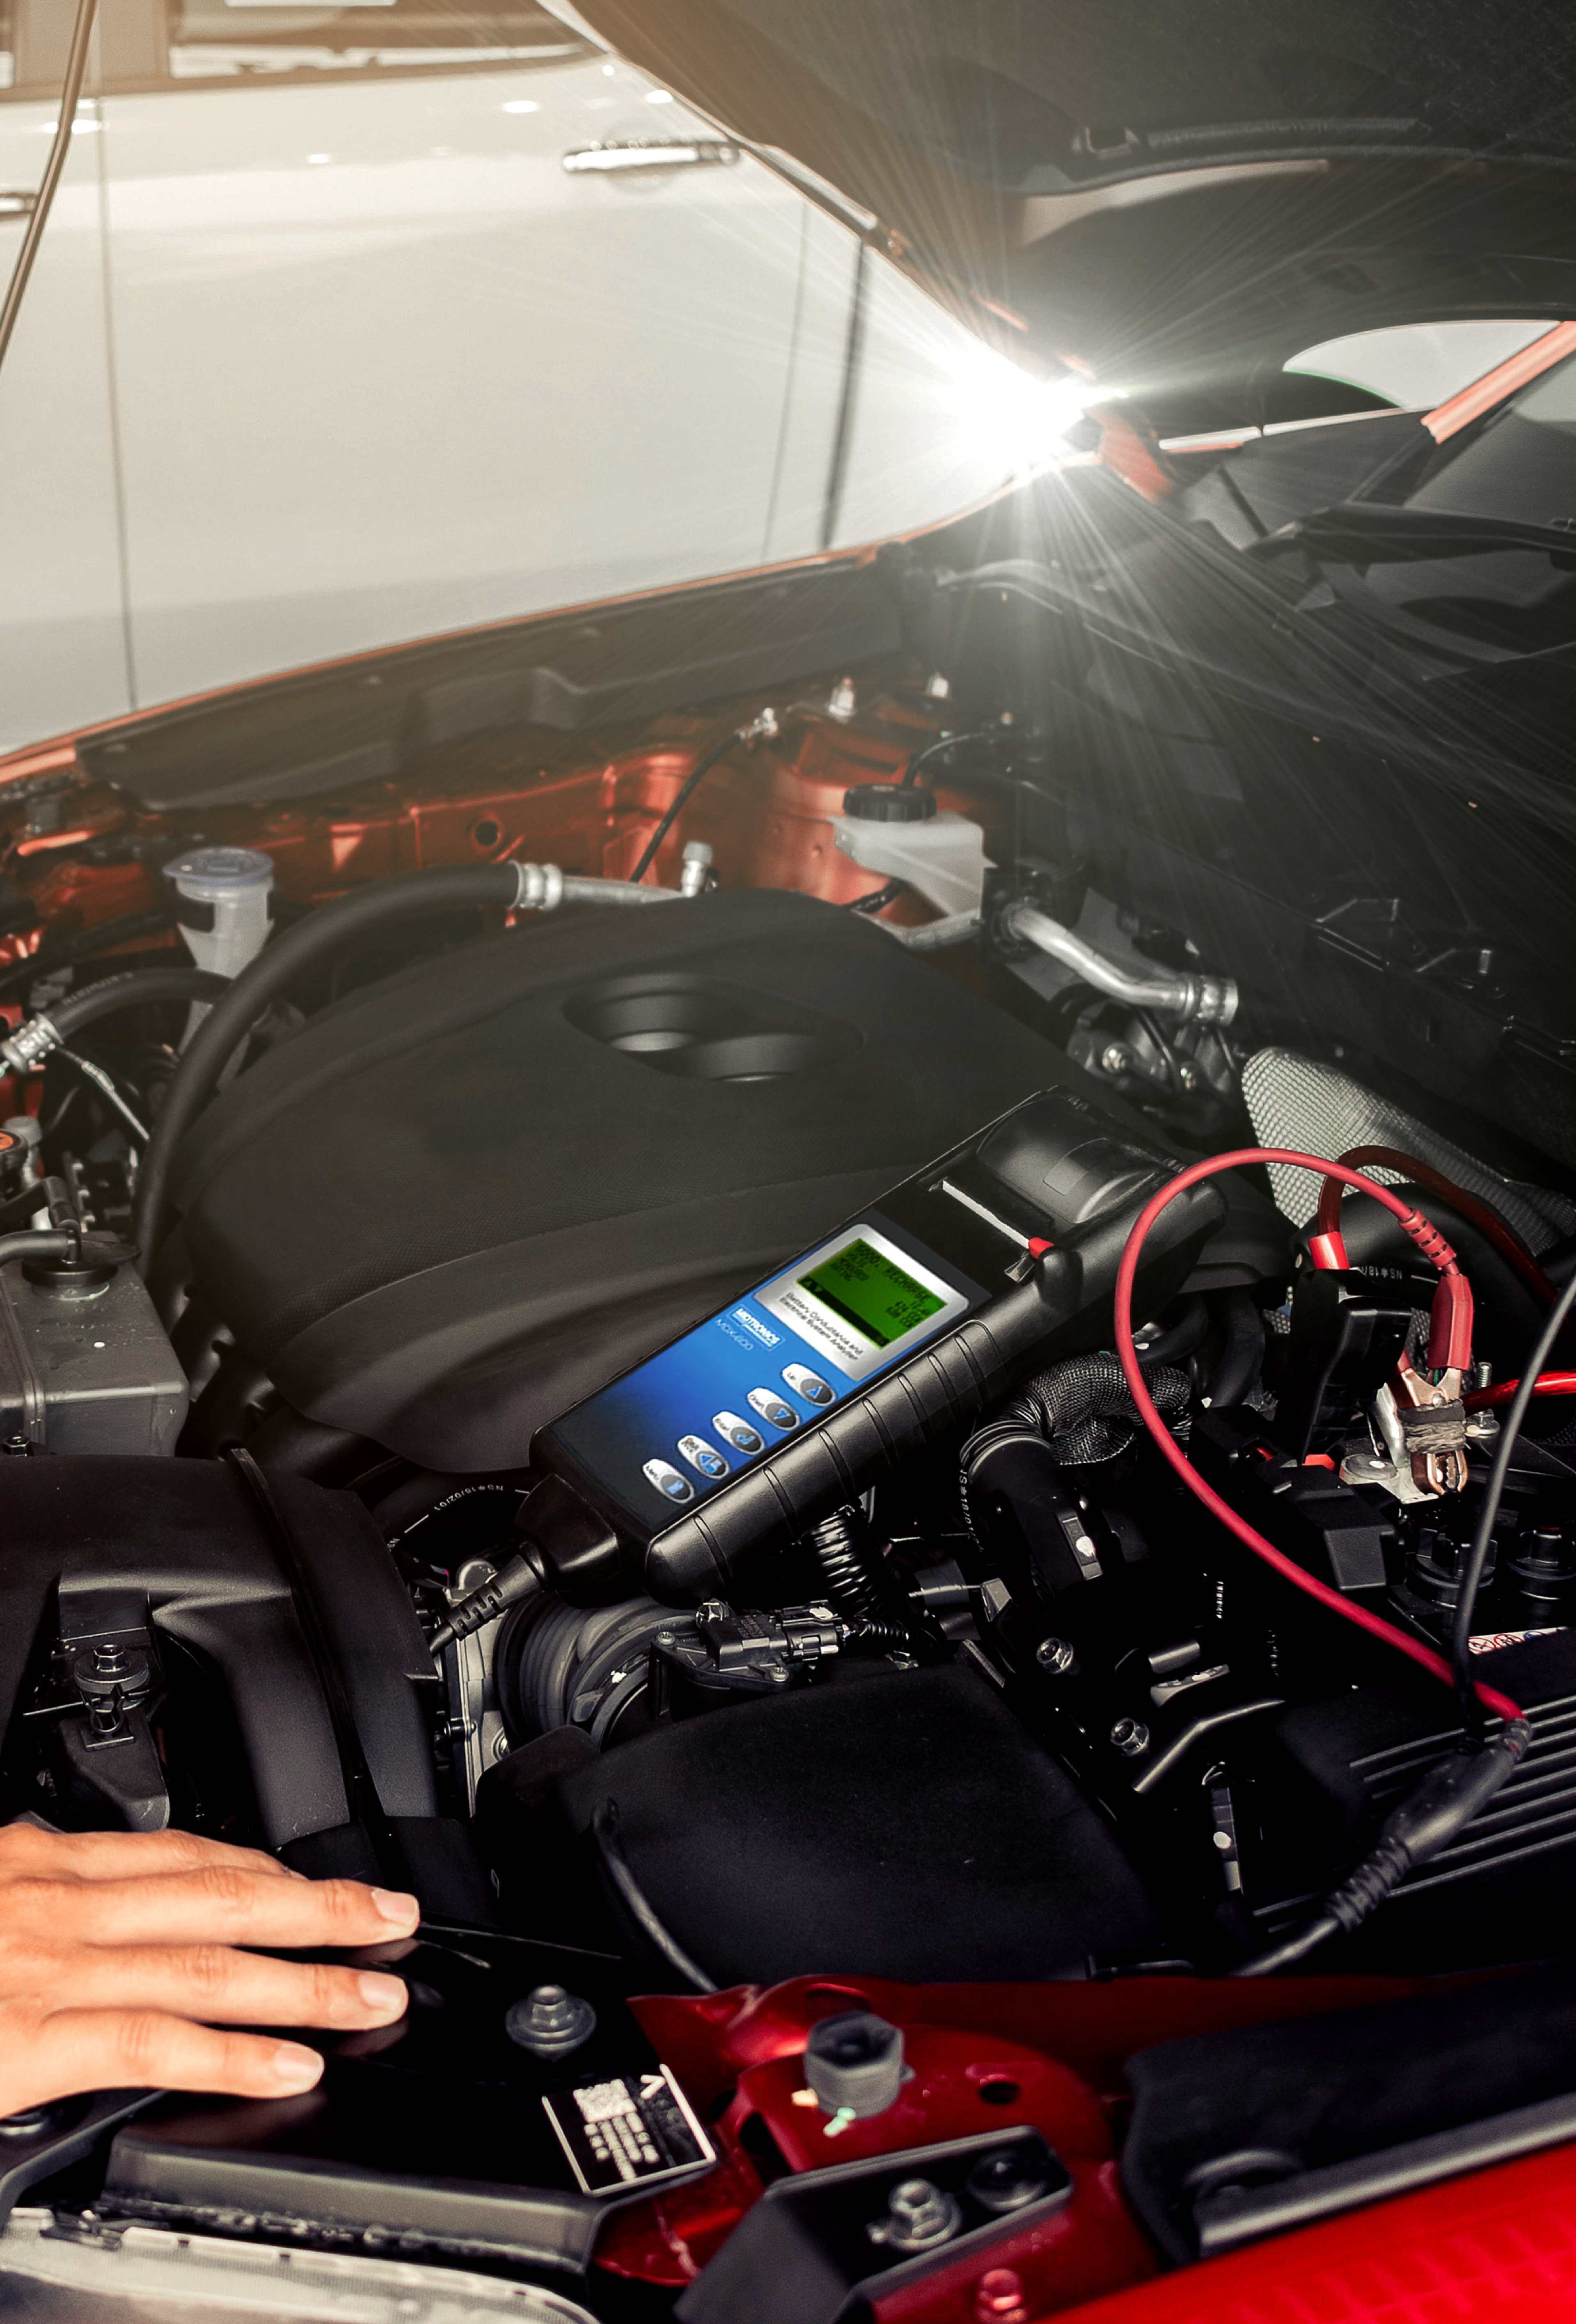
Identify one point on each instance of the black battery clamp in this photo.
(903, 1325)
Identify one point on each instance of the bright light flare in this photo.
(1005, 413)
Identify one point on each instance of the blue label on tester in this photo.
(743, 1382)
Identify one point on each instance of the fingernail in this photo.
(295, 2067)
(402, 1910)
(386, 1995)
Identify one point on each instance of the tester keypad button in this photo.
(703, 1456)
(771, 1406)
(739, 1432)
(668, 1482)
(808, 1384)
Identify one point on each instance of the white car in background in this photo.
(366, 322)
(363, 322)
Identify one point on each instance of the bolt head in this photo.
(1130, 1738)
(1055, 1656)
(550, 2023)
(1115, 1058)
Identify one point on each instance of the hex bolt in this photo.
(1130, 1738)
(550, 2023)
(918, 2215)
(1056, 1655)
(1115, 1058)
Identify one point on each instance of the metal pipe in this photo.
(935, 935)
(1208, 999)
(542, 888)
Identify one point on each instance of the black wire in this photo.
(702, 767)
(878, 899)
(1168, 1057)
(948, 742)
(1472, 1578)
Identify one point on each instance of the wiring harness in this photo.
(1446, 1799)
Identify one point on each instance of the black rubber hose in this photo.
(40, 1243)
(130, 991)
(1084, 1404)
(1241, 1359)
(878, 897)
(1179, 1339)
(278, 966)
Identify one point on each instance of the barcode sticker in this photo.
(628, 2132)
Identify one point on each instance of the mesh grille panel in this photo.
(1293, 1101)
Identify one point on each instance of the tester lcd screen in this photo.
(872, 1292)
(728, 1392)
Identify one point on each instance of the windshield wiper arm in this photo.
(1361, 532)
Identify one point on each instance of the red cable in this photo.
(1429, 1240)
(1489, 1222)
(1479, 1399)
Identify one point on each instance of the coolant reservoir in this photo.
(225, 905)
(897, 829)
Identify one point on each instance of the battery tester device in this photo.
(791, 1400)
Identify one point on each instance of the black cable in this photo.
(286, 957)
(520, 1578)
(701, 768)
(1438, 1807)
(1168, 1057)
(71, 90)
(938, 750)
(1471, 1578)
(878, 897)
(638, 1904)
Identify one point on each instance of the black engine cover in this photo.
(465, 1197)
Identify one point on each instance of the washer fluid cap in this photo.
(211, 875)
(854, 2064)
(889, 803)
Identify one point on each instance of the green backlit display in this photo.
(871, 1293)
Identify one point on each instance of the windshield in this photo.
(361, 323)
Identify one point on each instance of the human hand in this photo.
(119, 1961)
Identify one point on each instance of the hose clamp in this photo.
(537, 888)
(1211, 999)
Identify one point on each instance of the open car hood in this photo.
(1093, 178)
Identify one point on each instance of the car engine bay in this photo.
(436, 1503)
